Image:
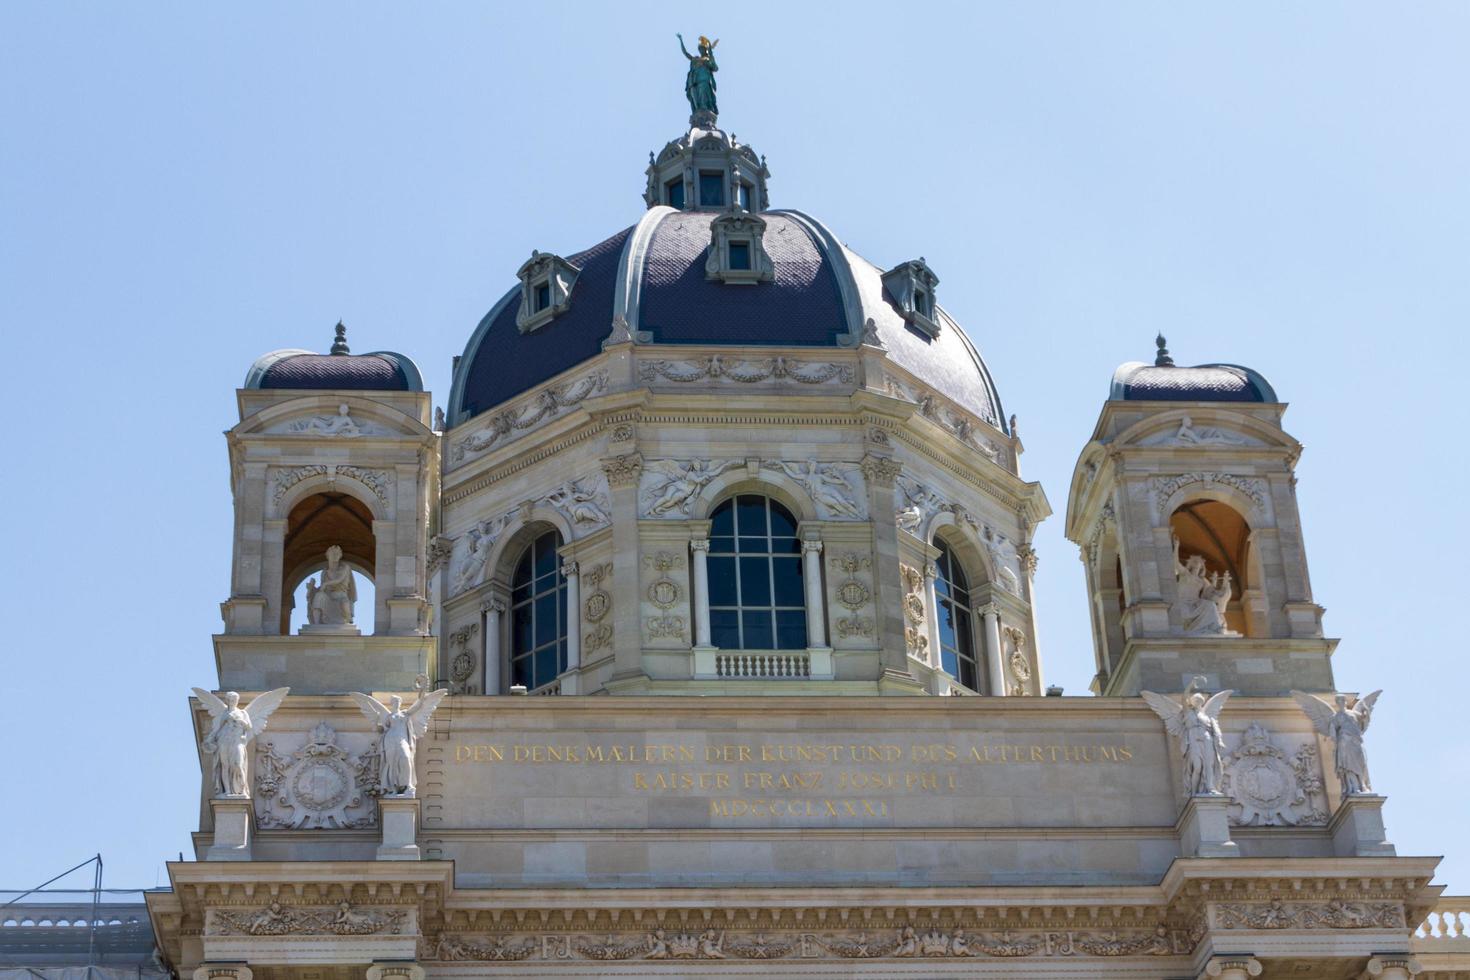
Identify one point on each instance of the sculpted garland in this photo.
(547, 404)
(745, 372)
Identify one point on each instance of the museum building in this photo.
(702, 634)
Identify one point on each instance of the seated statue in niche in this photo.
(1202, 596)
(330, 604)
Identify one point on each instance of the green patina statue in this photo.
(699, 87)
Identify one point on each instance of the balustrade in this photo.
(780, 666)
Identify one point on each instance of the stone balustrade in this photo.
(1448, 921)
(763, 666)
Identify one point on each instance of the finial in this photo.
(650, 158)
(1162, 359)
(339, 346)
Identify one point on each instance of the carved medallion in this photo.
(1260, 780)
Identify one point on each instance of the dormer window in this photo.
(546, 289)
(737, 252)
(910, 287)
(674, 194)
(744, 196)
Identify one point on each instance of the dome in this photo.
(1163, 381)
(340, 370)
(654, 276)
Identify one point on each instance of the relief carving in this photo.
(670, 486)
(595, 607)
(1267, 787)
(462, 663)
(312, 788)
(547, 404)
(834, 491)
(378, 481)
(916, 637)
(341, 424)
(1164, 487)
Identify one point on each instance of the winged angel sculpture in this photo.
(1345, 727)
(400, 730)
(231, 731)
(1196, 725)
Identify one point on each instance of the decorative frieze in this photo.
(1336, 914)
(906, 941)
(718, 370)
(276, 919)
(545, 405)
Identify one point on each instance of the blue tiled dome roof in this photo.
(340, 370)
(653, 276)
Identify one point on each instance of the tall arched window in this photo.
(756, 597)
(538, 615)
(956, 622)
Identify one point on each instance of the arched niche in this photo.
(316, 522)
(1218, 532)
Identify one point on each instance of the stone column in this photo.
(1394, 966)
(223, 971)
(699, 547)
(494, 609)
(570, 571)
(622, 480)
(1232, 967)
(816, 613)
(881, 473)
(931, 604)
(994, 655)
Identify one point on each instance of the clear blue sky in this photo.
(185, 186)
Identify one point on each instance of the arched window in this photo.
(956, 622)
(538, 615)
(756, 597)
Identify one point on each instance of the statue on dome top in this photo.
(699, 86)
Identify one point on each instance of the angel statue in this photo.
(699, 86)
(231, 731)
(1196, 724)
(1345, 727)
(401, 729)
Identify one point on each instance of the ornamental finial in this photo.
(1162, 359)
(339, 346)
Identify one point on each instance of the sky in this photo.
(185, 186)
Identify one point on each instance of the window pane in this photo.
(783, 525)
(788, 585)
(521, 637)
(722, 521)
(724, 628)
(791, 629)
(757, 626)
(546, 619)
(745, 196)
(750, 515)
(966, 676)
(951, 665)
(520, 595)
(546, 554)
(711, 189)
(675, 194)
(546, 666)
(543, 296)
(520, 672)
(523, 569)
(722, 582)
(755, 582)
(722, 545)
(946, 625)
(740, 255)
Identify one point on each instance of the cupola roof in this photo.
(1164, 381)
(339, 370)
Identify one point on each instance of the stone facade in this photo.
(688, 655)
